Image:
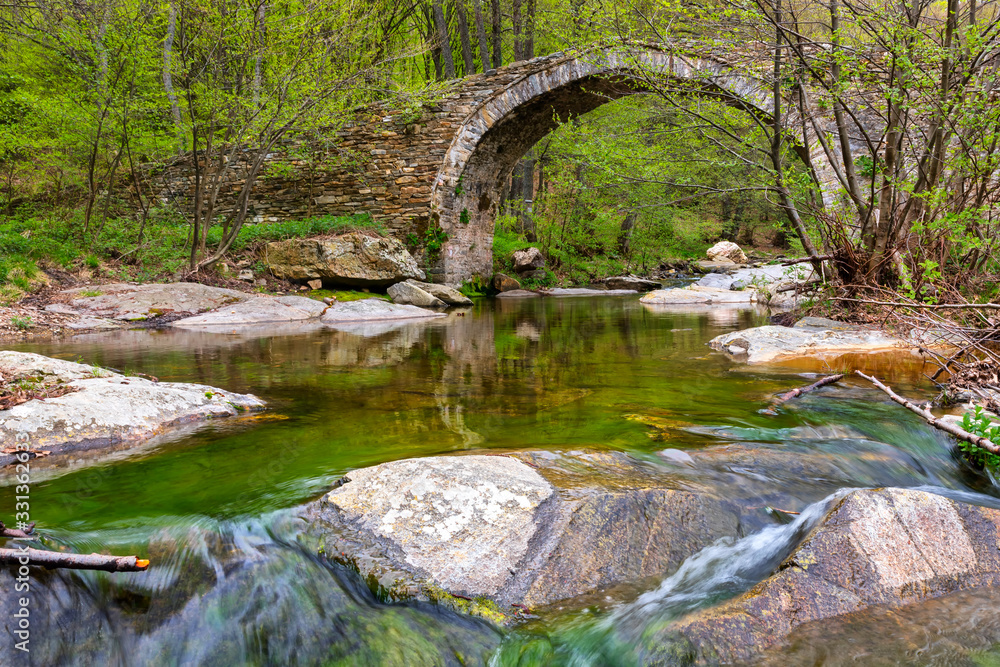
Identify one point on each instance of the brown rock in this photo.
(504, 283)
(315, 284)
(352, 259)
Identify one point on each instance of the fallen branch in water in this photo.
(946, 426)
(795, 393)
(56, 559)
(14, 532)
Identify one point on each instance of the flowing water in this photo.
(214, 507)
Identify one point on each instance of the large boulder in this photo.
(355, 259)
(122, 301)
(808, 338)
(408, 293)
(367, 310)
(106, 409)
(512, 530)
(889, 547)
(527, 260)
(258, 310)
(504, 283)
(631, 283)
(726, 250)
(449, 295)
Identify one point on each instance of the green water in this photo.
(214, 507)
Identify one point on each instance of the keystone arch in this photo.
(490, 139)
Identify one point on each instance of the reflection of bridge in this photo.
(443, 166)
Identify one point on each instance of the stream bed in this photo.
(214, 507)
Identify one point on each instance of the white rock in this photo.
(726, 250)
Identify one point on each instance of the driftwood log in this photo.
(56, 559)
(795, 393)
(946, 426)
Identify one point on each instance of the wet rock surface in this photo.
(697, 294)
(890, 547)
(107, 409)
(526, 528)
(258, 310)
(354, 259)
(366, 310)
(811, 337)
(631, 283)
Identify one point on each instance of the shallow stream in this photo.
(214, 507)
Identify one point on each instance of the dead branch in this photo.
(55, 559)
(14, 532)
(803, 260)
(923, 306)
(795, 393)
(947, 427)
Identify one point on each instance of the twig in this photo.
(14, 532)
(947, 427)
(56, 559)
(802, 260)
(795, 393)
(923, 306)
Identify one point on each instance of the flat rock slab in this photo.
(122, 301)
(747, 278)
(888, 547)
(814, 339)
(697, 295)
(368, 310)
(258, 310)
(526, 528)
(449, 295)
(108, 408)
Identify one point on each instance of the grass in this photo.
(33, 240)
(344, 295)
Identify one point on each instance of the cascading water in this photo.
(215, 510)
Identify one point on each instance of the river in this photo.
(214, 507)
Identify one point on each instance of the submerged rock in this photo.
(351, 259)
(512, 529)
(889, 547)
(408, 293)
(811, 338)
(365, 310)
(258, 310)
(107, 408)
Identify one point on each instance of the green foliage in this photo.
(434, 239)
(979, 424)
(22, 323)
(316, 226)
(475, 286)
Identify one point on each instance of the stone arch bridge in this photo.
(444, 166)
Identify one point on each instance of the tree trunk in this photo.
(168, 81)
(463, 34)
(445, 43)
(625, 233)
(528, 50)
(517, 26)
(497, 34)
(484, 52)
(433, 41)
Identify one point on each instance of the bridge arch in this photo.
(501, 128)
